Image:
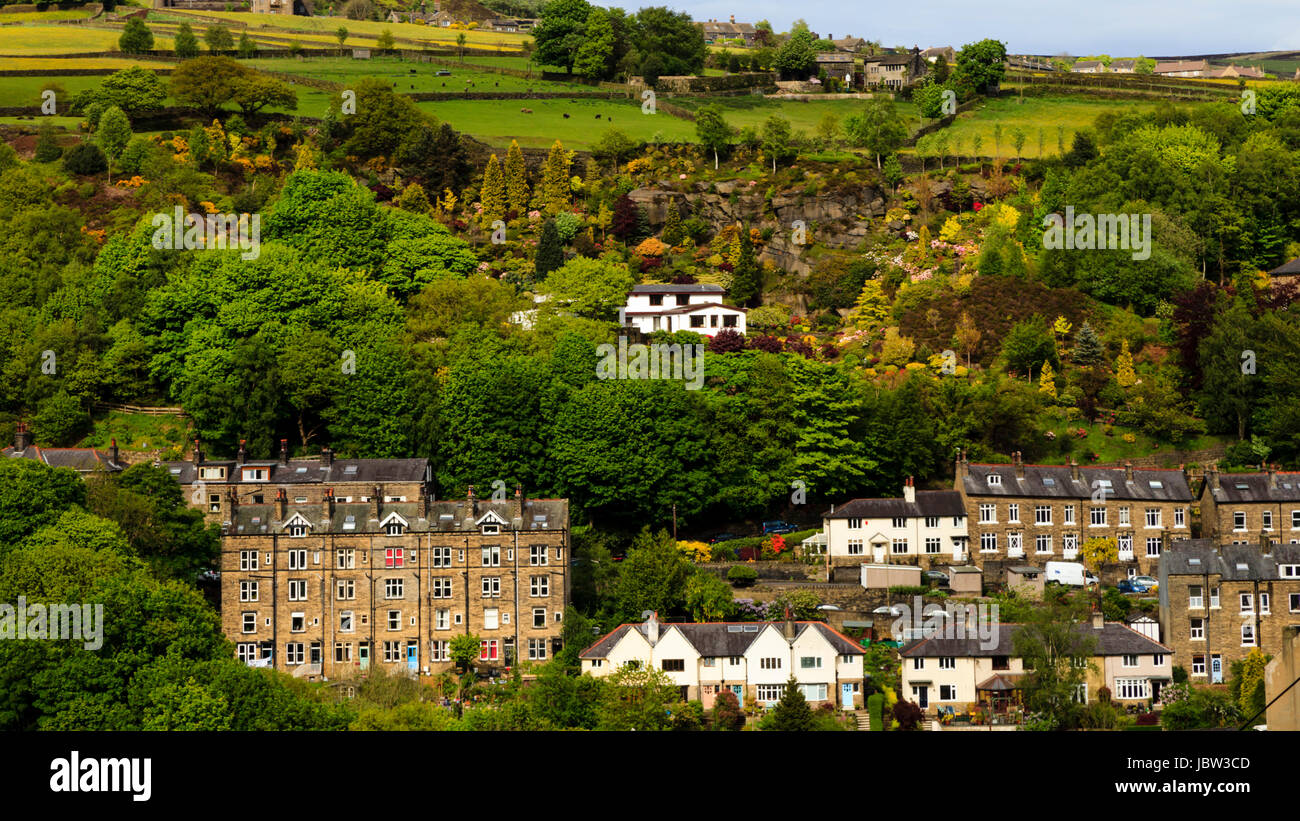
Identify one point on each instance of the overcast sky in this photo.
(1115, 27)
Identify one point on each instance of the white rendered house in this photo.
(929, 524)
(698, 308)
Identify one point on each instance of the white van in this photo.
(1073, 574)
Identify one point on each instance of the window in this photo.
(394, 619)
(768, 693)
(539, 617)
(1267, 519)
(931, 521)
(994, 480)
(537, 555)
(898, 546)
(491, 619)
(1013, 513)
(214, 503)
(1129, 661)
(1198, 630)
(537, 651)
(393, 557)
(293, 652)
(1214, 597)
(297, 531)
(297, 590)
(771, 663)
(988, 542)
(250, 622)
(988, 513)
(1043, 543)
(394, 529)
(491, 530)
(810, 662)
(345, 621)
(256, 474)
(246, 652)
(439, 651)
(394, 588)
(491, 587)
(1153, 517)
(248, 591)
(212, 473)
(345, 559)
(297, 559)
(441, 588)
(1263, 604)
(1070, 543)
(1015, 545)
(1153, 546)
(673, 665)
(1195, 599)
(539, 586)
(1239, 520)
(1080, 694)
(1124, 516)
(898, 523)
(735, 661)
(492, 556)
(1294, 602)
(1289, 571)
(1042, 514)
(1125, 546)
(1248, 635)
(248, 560)
(487, 650)
(947, 663)
(1295, 520)
(1133, 688)
(297, 622)
(729, 321)
(855, 524)
(1069, 514)
(440, 556)
(855, 547)
(1001, 662)
(1247, 603)
(918, 663)
(1198, 665)
(932, 544)
(1097, 517)
(1180, 517)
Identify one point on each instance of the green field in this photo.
(499, 121)
(371, 29)
(803, 116)
(27, 90)
(411, 77)
(33, 40)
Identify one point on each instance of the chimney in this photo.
(1098, 620)
(232, 499)
(284, 452)
(733, 18)
(22, 437)
(473, 503)
(652, 628)
(243, 452)
(327, 456)
(329, 503)
(1272, 476)
(1128, 471)
(961, 464)
(909, 490)
(378, 498)
(789, 625)
(424, 504)
(1074, 470)
(112, 451)
(1020, 467)
(196, 455)
(281, 505)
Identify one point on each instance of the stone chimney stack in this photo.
(652, 628)
(1272, 476)
(196, 456)
(1128, 471)
(284, 452)
(1074, 470)
(1020, 466)
(1098, 620)
(789, 625)
(733, 18)
(961, 465)
(377, 497)
(112, 451)
(281, 505)
(425, 499)
(473, 503)
(326, 456)
(242, 455)
(22, 437)
(329, 503)
(232, 501)
(909, 490)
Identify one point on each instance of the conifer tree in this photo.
(673, 225)
(553, 193)
(791, 713)
(493, 195)
(516, 175)
(1047, 381)
(1124, 373)
(872, 308)
(550, 251)
(747, 277)
(1087, 347)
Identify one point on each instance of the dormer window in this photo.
(256, 474)
(210, 473)
(491, 530)
(297, 531)
(394, 529)
(994, 479)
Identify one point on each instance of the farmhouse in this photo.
(673, 308)
(1182, 68)
(716, 32)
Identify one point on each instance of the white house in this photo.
(927, 525)
(698, 308)
(752, 659)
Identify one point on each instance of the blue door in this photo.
(1216, 670)
(412, 657)
(846, 696)
(739, 690)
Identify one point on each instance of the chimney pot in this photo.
(197, 454)
(327, 456)
(112, 450)
(243, 451)
(1098, 620)
(284, 451)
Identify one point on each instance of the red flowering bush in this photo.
(765, 343)
(727, 341)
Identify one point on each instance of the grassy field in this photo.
(43, 16)
(55, 65)
(138, 431)
(370, 29)
(27, 90)
(411, 77)
(34, 40)
(497, 122)
(803, 116)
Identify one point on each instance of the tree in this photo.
(638, 699)
(255, 91)
(341, 34)
(32, 496)
(713, 131)
(594, 56)
(385, 41)
(207, 83)
(136, 37)
(1055, 649)
(797, 57)
(878, 128)
(1018, 140)
(1088, 349)
(113, 134)
(593, 288)
(516, 177)
(560, 34)
(464, 651)
(777, 136)
(727, 714)
(247, 48)
(218, 38)
(747, 278)
(791, 713)
(708, 598)
(433, 154)
(493, 195)
(84, 158)
(461, 39)
(185, 43)
(47, 147)
(981, 64)
(614, 146)
(1124, 373)
(871, 309)
(550, 251)
(1099, 551)
(1047, 381)
(553, 193)
(967, 335)
(893, 172)
(1028, 345)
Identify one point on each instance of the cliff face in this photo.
(834, 219)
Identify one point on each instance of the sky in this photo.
(1152, 28)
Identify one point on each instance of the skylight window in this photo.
(1156, 484)
(350, 522)
(301, 470)
(1104, 483)
(1243, 486)
(1194, 561)
(176, 471)
(350, 469)
(1242, 566)
(1049, 482)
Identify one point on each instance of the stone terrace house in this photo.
(895, 70)
(955, 670)
(1182, 68)
(82, 460)
(1219, 602)
(1243, 508)
(326, 570)
(752, 659)
(1036, 513)
(925, 528)
(716, 32)
(693, 307)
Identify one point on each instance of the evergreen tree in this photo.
(673, 225)
(747, 279)
(516, 175)
(493, 195)
(186, 44)
(136, 37)
(553, 193)
(1087, 347)
(47, 148)
(1047, 381)
(1124, 373)
(550, 251)
(872, 308)
(247, 48)
(791, 713)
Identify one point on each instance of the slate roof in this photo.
(1196, 557)
(669, 288)
(443, 517)
(1172, 487)
(1256, 487)
(1180, 65)
(833, 57)
(1291, 268)
(313, 470)
(1113, 639)
(928, 503)
(1116, 65)
(1080, 64)
(716, 639)
(82, 460)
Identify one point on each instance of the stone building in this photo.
(1242, 508)
(82, 460)
(1032, 514)
(1219, 602)
(330, 565)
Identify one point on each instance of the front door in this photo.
(922, 695)
(1216, 670)
(739, 690)
(846, 696)
(363, 656)
(412, 657)
(708, 694)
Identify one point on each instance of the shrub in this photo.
(876, 708)
(742, 576)
(84, 158)
(727, 341)
(47, 148)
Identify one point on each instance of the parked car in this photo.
(1129, 586)
(937, 576)
(776, 527)
(1151, 584)
(888, 610)
(828, 607)
(722, 537)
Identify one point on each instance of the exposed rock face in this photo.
(836, 219)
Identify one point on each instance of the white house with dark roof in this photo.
(671, 308)
(922, 527)
(754, 660)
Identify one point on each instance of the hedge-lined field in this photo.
(424, 78)
(371, 29)
(33, 40)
